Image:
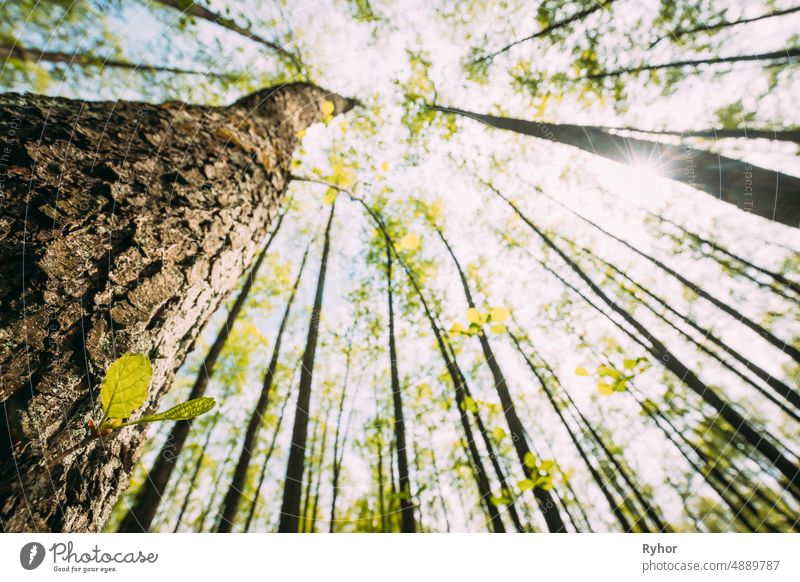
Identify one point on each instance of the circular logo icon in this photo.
(31, 555)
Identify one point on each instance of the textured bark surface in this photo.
(122, 227)
(140, 515)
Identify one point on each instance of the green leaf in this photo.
(125, 386)
(330, 196)
(525, 484)
(530, 460)
(409, 242)
(609, 371)
(184, 411)
(470, 405)
(499, 314)
(498, 433)
(474, 316)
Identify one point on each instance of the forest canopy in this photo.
(469, 266)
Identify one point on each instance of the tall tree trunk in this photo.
(792, 135)
(767, 193)
(379, 470)
(598, 479)
(292, 489)
(785, 347)
(544, 499)
(337, 443)
(140, 515)
(481, 477)
(787, 54)
(309, 474)
(661, 353)
(558, 25)
(777, 277)
(262, 475)
(234, 494)
(438, 480)
(33, 55)
(198, 464)
(123, 227)
(198, 11)
(490, 449)
(676, 33)
(406, 507)
(312, 520)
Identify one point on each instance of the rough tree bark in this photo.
(148, 498)
(122, 227)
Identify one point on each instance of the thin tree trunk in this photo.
(315, 502)
(379, 443)
(121, 251)
(596, 6)
(194, 9)
(338, 457)
(406, 506)
(775, 276)
(33, 55)
(675, 34)
(262, 475)
(487, 443)
(792, 135)
(309, 475)
(766, 193)
(234, 494)
(437, 479)
(213, 495)
(544, 499)
(787, 54)
(481, 478)
(290, 507)
(780, 388)
(785, 347)
(140, 515)
(195, 472)
(598, 479)
(661, 353)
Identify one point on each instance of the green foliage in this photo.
(125, 386)
(124, 390)
(185, 411)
